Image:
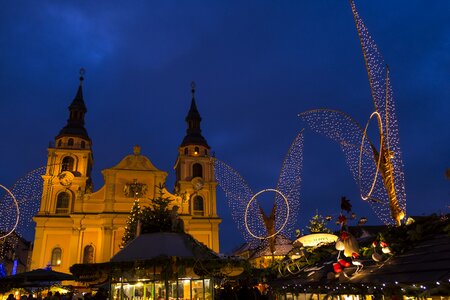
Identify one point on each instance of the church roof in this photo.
(151, 246)
(75, 123)
(193, 119)
(135, 161)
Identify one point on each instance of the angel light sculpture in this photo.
(377, 170)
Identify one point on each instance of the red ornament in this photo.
(342, 219)
(374, 244)
(355, 255)
(344, 235)
(344, 263)
(337, 268)
(383, 244)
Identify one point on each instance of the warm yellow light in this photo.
(58, 262)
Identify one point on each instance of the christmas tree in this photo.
(317, 224)
(152, 218)
(156, 217)
(132, 223)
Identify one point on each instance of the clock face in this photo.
(197, 183)
(65, 178)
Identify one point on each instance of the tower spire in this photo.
(193, 119)
(77, 109)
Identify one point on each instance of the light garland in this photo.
(379, 173)
(287, 199)
(254, 199)
(28, 192)
(380, 126)
(382, 95)
(7, 233)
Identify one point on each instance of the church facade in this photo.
(76, 225)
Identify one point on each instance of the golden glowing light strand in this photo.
(17, 212)
(380, 126)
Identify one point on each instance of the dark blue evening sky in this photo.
(256, 64)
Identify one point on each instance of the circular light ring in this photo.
(17, 209)
(380, 129)
(253, 199)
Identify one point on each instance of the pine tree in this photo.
(131, 227)
(156, 217)
(317, 224)
(152, 218)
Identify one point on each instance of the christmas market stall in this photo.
(161, 265)
(406, 262)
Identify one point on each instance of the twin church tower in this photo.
(77, 225)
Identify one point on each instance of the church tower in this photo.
(66, 180)
(195, 178)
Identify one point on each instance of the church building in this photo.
(77, 225)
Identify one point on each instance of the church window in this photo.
(198, 206)
(56, 257)
(186, 151)
(88, 254)
(83, 144)
(62, 203)
(67, 164)
(196, 150)
(59, 143)
(197, 170)
(206, 151)
(70, 142)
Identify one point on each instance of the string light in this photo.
(382, 95)
(28, 192)
(239, 193)
(385, 188)
(17, 214)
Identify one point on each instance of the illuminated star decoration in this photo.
(376, 167)
(239, 194)
(28, 192)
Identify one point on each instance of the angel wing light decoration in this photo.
(247, 212)
(377, 170)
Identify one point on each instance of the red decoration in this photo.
(344, 235)
(344, 263)
(337, 268)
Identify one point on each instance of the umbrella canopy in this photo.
(35, 278)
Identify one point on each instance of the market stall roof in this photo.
(163, 244)
(35, 278)
(429, 261)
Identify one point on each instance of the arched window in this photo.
(197, 170)
(67, 163)
(198, 206)
(83, 144)
(70, 142)
(59, 143)
(196, 150)
(206, 151)
(56, 257)
(186, 151)
(62, 203)
(88, 254)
